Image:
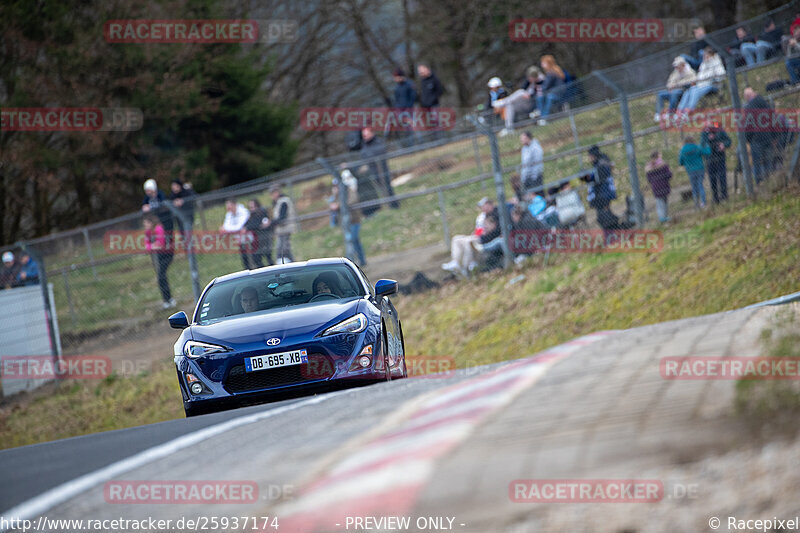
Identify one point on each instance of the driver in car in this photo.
(249, 299)
(326, 283)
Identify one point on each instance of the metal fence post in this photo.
(575, 136)
(89, 251)
(68, 292)
(500, 191)
(344, 210)
(630, 148)
(477, 154)
(736, 102)
(51, 327)
(186, 224)
(443, 212)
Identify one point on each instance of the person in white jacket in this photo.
(532, 165)
(236, 216)
(711, 70)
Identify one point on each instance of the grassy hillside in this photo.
(740, 254)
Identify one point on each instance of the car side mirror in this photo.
(385, 287)
(179, 320)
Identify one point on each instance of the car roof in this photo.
(293, 266)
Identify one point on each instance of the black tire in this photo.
(403, 347)
(385, 349)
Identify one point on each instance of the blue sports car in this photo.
(286, 330)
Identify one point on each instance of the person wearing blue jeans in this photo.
(711, 69)
(544, 102)
(355, 230)
(691, 158)
(793, 68)
(673, 96)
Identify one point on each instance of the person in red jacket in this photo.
(162, 255)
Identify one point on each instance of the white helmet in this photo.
(150, 185)
(495, 82)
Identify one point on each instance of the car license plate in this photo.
(275, 360)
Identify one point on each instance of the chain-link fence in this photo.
(409, 199)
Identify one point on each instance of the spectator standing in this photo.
(159, 247)
(659, 175)
(405, 95)
(260, 226)
(717, 141)
(552, 86)
(284, 220)
(681, 77)
(602, 190)
(182, 196)
(431, 88)
(9, 271)
(520, 101)
(532, 163)
(691, 158)
(28, 272)
(351, 189)
(695, 57)
(791, 49)
(711, 70)
(744, 47)
(236, 216)
(374, 149)
(760, 141)
(154, 202)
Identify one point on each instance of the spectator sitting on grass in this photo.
(695, 57)
(791, 49)
(552, 86)
(462, 251)
(769, 41)
(711, 70)
(9, 271)
(659, 175)
(681, 77)
(743, 48)
(29, 271)
(691, 158)
(520, 101)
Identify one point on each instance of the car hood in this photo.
(291, 322)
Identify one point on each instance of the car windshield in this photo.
(278, 289)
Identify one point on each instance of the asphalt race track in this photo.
(442, 451)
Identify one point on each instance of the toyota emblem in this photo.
(274, 341)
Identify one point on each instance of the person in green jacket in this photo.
(691, 158)
(717, 141)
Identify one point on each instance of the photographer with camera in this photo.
(715, 139)
(602, 190)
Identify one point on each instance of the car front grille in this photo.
(318, 367)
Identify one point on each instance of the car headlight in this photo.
(354, 324)
(197, 349)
